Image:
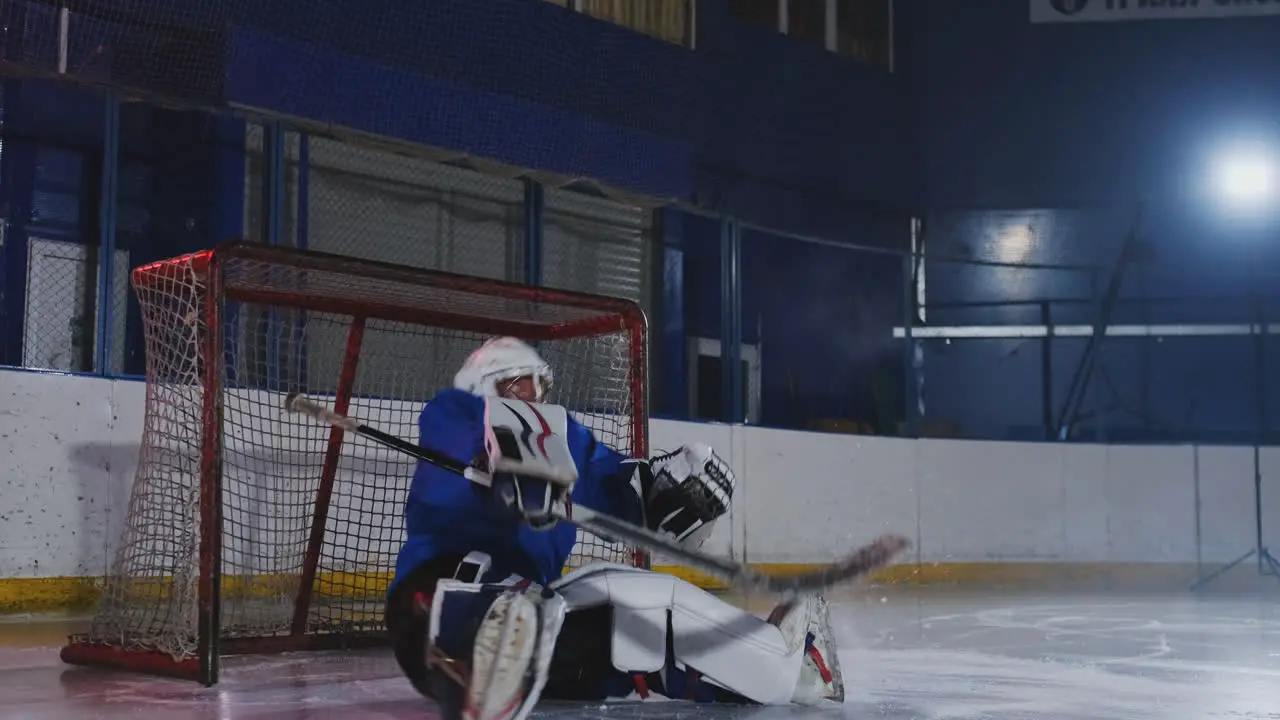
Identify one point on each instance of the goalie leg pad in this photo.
(728, 647)
(490, 647)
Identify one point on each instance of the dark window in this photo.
(807, 21)
(710, 386)
(761, 13)
(665, 19)
(863, 30)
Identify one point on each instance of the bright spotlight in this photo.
(1245, 179)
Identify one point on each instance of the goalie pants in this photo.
(581, 665)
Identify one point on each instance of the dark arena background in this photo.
(1003, 275)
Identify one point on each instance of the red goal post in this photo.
(253, 530)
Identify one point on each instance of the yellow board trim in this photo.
(28, 595)
(995, 574)
(75, 594)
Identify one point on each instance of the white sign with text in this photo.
(1066, 11)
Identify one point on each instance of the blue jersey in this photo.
(446, 513)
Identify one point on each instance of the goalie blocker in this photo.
(487, 639)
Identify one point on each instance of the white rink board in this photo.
(1019, 510)
(868, 487)
(70, 446)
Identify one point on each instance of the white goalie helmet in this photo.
(499, 360)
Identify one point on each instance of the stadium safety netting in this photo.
(304, 58)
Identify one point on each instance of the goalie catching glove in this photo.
(684, 492)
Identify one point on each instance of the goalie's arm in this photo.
(604, 482)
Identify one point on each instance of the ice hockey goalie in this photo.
(482, 618)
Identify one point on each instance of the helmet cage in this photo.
(541, 374)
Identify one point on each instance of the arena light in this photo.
(1244, 179)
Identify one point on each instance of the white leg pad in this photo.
(728, 646)
(510, 653)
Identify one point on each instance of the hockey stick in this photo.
(865, 559)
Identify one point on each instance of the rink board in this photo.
(977, 512)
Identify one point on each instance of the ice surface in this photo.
(930, 655)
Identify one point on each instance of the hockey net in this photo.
(251, 529)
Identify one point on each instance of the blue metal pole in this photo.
(273, 214)
(733, 356)
(731, 320)
(910, 379)
(304, 188)
(303, 226)
(1046, 371)
(17, 182)
(726, 318)
(534, 203)
(739, 404)
(273, 194)
(107, 212)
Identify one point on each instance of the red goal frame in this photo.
(599, 315)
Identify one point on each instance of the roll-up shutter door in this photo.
(596, 245)
(374, 204)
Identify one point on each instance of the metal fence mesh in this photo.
(61, 319)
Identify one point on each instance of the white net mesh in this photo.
(292, 322)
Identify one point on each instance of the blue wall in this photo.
(521, 81)
(1062, 130)
(750, 115)
(1011, 114)
(822, 316)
